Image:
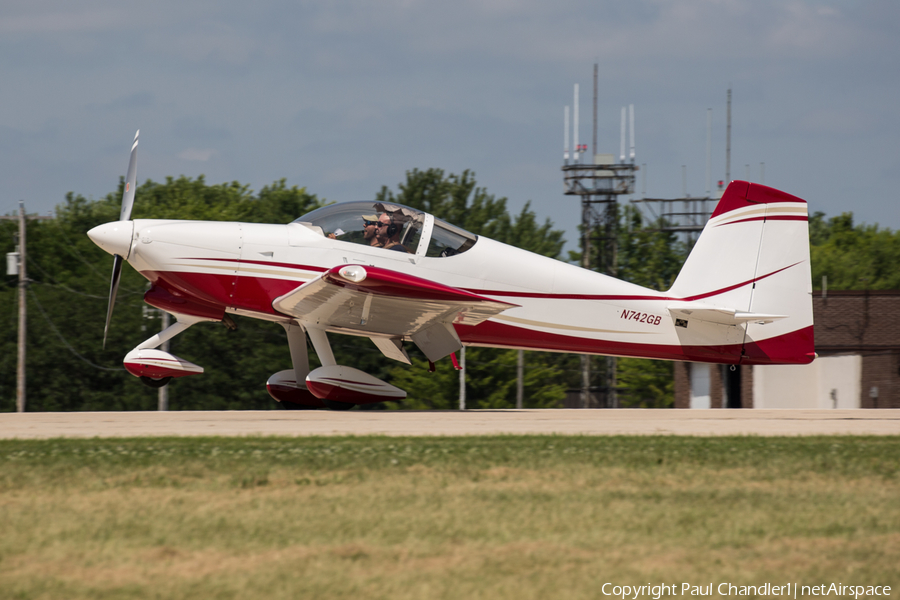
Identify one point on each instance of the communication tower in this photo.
(598, 181)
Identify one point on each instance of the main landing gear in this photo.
(332, 386)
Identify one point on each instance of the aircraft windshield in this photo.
(389, 226)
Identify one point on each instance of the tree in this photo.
(853, 257)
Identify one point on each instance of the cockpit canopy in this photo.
(407, 229)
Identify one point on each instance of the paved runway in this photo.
(475, 422)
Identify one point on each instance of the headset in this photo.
(392, 228)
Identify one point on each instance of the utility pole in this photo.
(19, 264)
(462, 378)
(23, 282)
(520, 380)
(163, 398)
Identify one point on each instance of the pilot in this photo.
(370, 228)
(388, 233)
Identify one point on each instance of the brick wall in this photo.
(747, 387)
(882, 371)
(682, 385)
(857, 321)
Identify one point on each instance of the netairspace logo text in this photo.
(788, 590)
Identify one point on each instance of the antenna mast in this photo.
(631, 119)
(594, 148)
(575, 146)
(728, 140)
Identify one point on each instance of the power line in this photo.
(55, 283)
(64, 341)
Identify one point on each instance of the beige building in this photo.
(857, 336)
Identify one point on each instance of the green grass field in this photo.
(474, 517)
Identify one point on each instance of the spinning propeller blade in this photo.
(125, 215)
(113, 289)
(130, 181)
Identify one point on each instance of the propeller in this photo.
(124, 215)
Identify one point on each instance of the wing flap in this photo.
(384, 303)
(392, 348)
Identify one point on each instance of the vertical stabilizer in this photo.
(751, 263)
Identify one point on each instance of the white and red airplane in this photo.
(742, 297)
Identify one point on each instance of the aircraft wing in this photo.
(381, 303)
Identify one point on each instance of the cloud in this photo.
(196, 155)
(832, 122)
(143, 99)
(196, 129)
(215, 42)
(63, 21)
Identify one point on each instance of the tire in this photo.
(155, 383)
(335, 405)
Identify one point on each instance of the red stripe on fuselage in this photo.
(795, 347)
(494, 334)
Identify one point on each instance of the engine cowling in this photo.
(283, 387)
(157, 364)
(338, 383)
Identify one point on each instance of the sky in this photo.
(344, 96)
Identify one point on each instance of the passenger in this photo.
(389, 231)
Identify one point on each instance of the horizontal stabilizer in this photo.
(722, 316)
